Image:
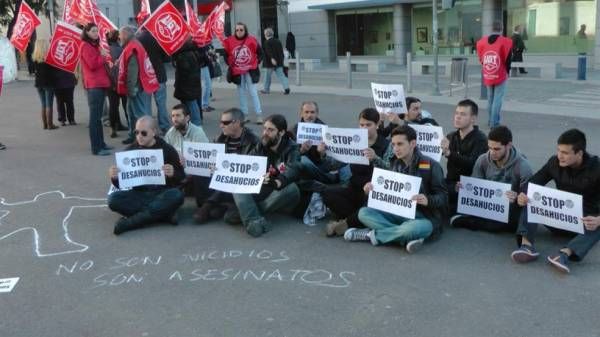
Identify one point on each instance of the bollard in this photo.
(348, 70)
(409, 72)
(298, 81)
(581, 66)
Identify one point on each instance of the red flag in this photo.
(66, 15)
(144, 12)
(202, 36)
(168, 27)
(82, 11)
(24, 27)
(65, 47)
(104, 26)
(217, 21)
(192, 18)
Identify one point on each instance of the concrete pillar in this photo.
(402, 32)
(596, 61)
(491, 10)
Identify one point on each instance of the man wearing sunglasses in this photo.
(143, 205)
(237, 139)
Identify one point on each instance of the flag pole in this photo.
(51, 11)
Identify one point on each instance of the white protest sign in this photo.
(311, 132)
(346, 145)
(389, 98)
(392, 192)
(199, 157)
(7, 284)
(554, 208)
(429, 140)
(238, 173)
(483, 198)
(140, 167)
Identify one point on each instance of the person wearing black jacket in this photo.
(518, 47)
(273, 61)
(147, 204)
(279, 191)
(64, 86)
(573, 170)
(414, 115)
(188, 85)
(44, 82)
(290, 44)
(112, 38)
(462, 147)
(158, 58)
(345, 201)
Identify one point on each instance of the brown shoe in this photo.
(202, 214)
(336, 228)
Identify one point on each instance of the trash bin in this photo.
(458, 73)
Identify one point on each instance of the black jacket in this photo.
(362, 174)
(64, 79)
(584, 180)
(248, 139)
(170, 156)
(290, 42)
(44, 75)
(273, 49)
(464, 153)
(312, 153)
(285, 161)
(155, 53)
(188, 85)
(387, 130)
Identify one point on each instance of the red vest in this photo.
(241, 54)
(493, 59)
(147, 77)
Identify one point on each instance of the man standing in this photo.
(273, 61)
(237, 139)
(279, 191)
(573, 170)
(136, 79)
(502, 163)
(462, 147)
(157, 58)
(518, 47)
(494, 55)
(144, 205)
(431, 199)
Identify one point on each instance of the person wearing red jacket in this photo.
(494, 53)
(96, 82)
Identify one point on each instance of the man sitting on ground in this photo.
(502, 163)
(413, 116)
(144, 205)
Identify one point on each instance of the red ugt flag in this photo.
(82, 11)
(65, 47)
(66, 14)
(104, 26)
(24, 27)
(143, 13)
(168, 27)
(217, 26)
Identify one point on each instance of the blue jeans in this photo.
(251, 210)
(96, 98)
(160, 203)
(495, 97)
(206, 86)
(194, 112)
(138, 106)
(280, 76)
(393, 228)
(46, 97)
(160, 98)
(246, 86)
(581, 65)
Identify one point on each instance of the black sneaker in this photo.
(286, 92)
(560, 261)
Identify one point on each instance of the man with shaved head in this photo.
(143, 205)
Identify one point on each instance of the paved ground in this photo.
(77, 279)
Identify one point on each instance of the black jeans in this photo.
(64, 102)
(160, 203)
(477, 223)
(345, 203)
(113, 108)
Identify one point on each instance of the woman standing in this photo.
(188, 86)
(243, 54)
(96, 82)
(44, 78)
(64, 84)
(113, 98)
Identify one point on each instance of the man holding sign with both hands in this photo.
(573, 170)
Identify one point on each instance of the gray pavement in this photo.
(77, 279)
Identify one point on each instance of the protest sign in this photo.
(311, 132)
(392, 192)
(483, 198)
(236, 173)
(389, 98)
(554, 208)
(200, 157)
(65, 47)
(429, 140)
(7, 284)
(346, 145)
(140, 167)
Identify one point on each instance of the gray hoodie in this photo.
(515, 172)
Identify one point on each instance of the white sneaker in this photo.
(454, 218)
(414, 245)
(259, 120)
(355, 234)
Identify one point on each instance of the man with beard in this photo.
(238, 139)
(184, 131)
(279, 192)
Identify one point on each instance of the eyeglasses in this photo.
(227, 122)
(240, 30)
(144, 133)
